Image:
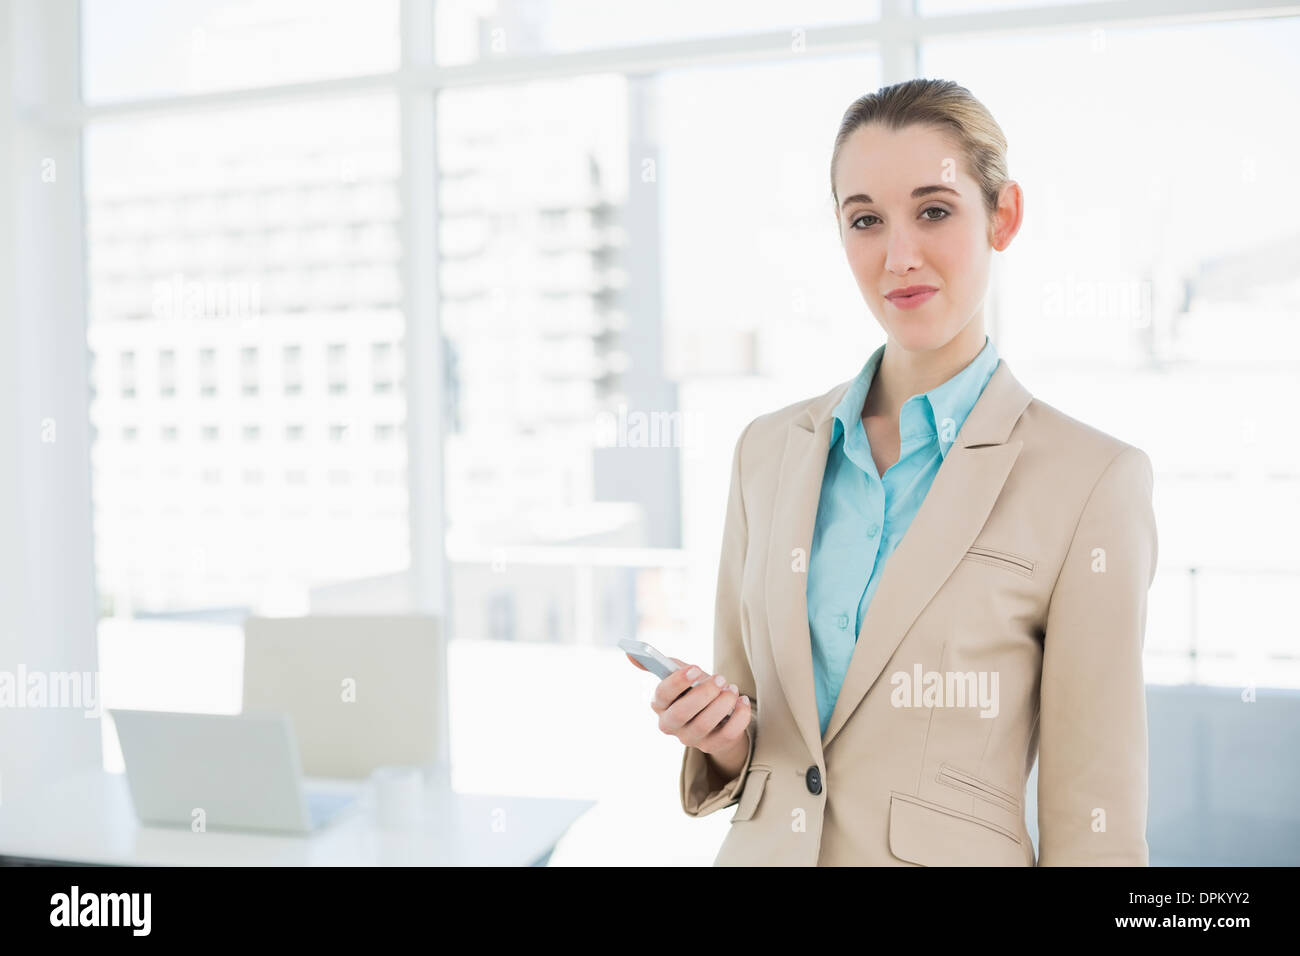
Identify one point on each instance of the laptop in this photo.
(240, 770)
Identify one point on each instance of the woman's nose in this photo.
(902, 252)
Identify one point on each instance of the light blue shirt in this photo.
(861, 517)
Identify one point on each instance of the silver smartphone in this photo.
(649, 657)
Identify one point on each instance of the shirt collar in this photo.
(941, 411)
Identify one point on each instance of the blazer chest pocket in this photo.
(752, 792)
(1001, 559)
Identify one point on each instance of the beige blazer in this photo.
(1008, 623)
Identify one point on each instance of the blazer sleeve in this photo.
(1092, 759)
(701, 791)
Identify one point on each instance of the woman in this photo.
(991, 554)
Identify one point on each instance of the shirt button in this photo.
(842, 621)
(873, 531)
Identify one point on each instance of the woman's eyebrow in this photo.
(917, 193)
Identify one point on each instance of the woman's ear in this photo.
(1009, 215)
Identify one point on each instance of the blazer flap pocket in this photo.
(751, 793)
(932, 835)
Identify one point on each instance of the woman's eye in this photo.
(931, 209)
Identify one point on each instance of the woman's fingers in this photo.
(678, 713)
(729, 730)
(673, 686)
(710, 718)
(699, 708)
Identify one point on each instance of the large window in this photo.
(533, 232)
(228, 253)
(246, 325)
(1152, 292)
(614, 220)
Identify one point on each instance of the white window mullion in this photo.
(429, 590)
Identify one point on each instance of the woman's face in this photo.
(894, 238)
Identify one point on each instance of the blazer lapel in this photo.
(803, 463)
(954, 510)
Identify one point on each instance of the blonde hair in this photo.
(946, 106)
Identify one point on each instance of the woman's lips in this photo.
(913, 301)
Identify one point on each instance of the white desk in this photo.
(89, 818)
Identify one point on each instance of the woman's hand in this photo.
(711, 716)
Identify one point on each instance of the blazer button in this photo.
(814, 779)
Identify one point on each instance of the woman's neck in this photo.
(903, 374)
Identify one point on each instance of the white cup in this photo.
(399, 796)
